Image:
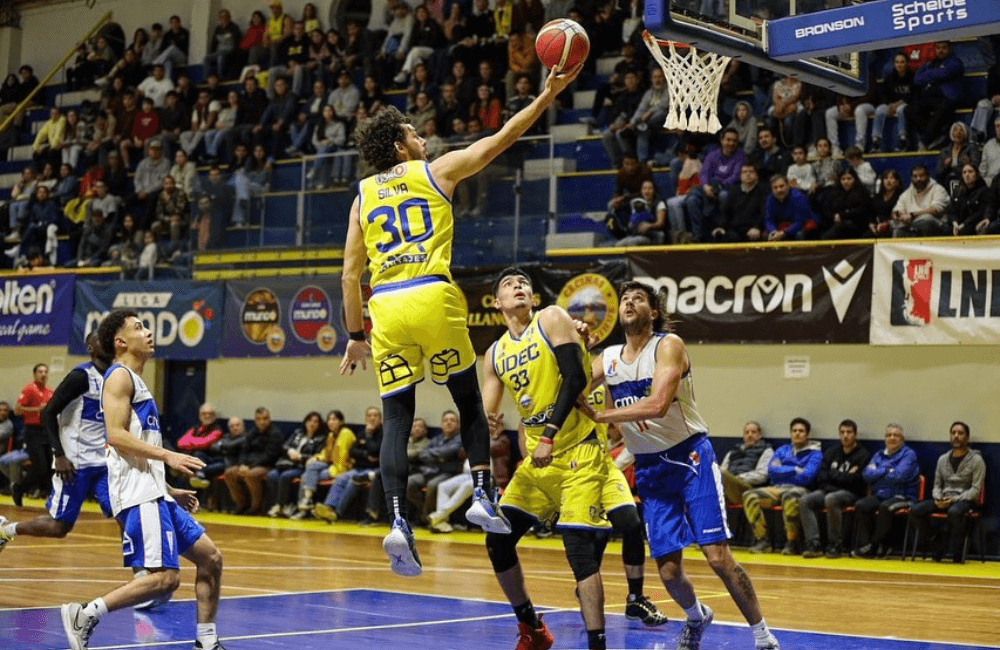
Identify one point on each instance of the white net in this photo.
(693, 80)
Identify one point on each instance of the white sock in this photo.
(96, 608)
(695, 612)
(760, 631)
(207, 635)
(10, 529)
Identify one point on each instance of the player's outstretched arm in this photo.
(355, 257)
(452, 167)
(117, 404)
(492, 392)
(670, 366)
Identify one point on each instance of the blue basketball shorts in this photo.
(156, 533)
(65, 499)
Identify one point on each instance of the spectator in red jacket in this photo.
(200, 439)
(145, 126)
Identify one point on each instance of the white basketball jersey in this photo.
(81, 424)
(133, 480)
(630, 382)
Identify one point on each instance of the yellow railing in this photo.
(72, 50)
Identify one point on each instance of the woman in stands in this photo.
(306, 442)
(972, 208)
(954, 156)
(253, 40)
(746, 126)
(846, 209)
(332, 461)
(890, 187)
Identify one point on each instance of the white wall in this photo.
(924, 389)
(48, 31)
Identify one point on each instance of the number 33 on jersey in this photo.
(407, 223)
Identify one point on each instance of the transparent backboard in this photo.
(736, 28)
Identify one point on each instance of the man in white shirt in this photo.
(919, 212)
(156, 86)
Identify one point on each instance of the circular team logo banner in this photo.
(591, 299)
(309, 313)
(260, 317)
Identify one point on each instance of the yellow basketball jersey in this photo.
(408, 226)
(528, 368)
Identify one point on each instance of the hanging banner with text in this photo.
(284, 317)
(36, 309)
(936, 292)
(185, 317)
(588, 292)
(802, 295)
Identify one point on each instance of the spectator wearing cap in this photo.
(275, 29)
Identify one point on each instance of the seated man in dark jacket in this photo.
(840, 484)
(261, 451)
(365, 454)
(440, 461)
(742, 215)
(745, 465)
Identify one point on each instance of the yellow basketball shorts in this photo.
(617, 493)
(428, 321)
(572, 486)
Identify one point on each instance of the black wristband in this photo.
(357, 336)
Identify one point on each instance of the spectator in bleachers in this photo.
(222, 45)
(415, 444)
(203, 116)
(650, 115)
(253, 43)
(426, 35)
(920, 210)
(272, 129)
(173, 213)
(262, 450)
(898, 90)
(745, 124)
(396, 46)
(319, 56)
(791, 473)
(972, 209)
(847, 209)
(124, 121)
(334, 62)
(211, 207)
(855, 158)
(371, 96)
(20, 194)
(275, 30)
(519, 100)
(939, 93)
(292, 60)
(801, 174)
(784, 113)
(126, 244)
(355, 46)
(148, 181)
(434, 144)
(648, 218)
(378, 19)
(487, 75)
(185, 89)
(744, 467)
(987, 107)
(345, 97)
(721, 169)
(41, 222)
(465, 89)
(115, 175)
(145, 126)
(302, 128)
(846, 108)
(184, 173)
(954, 156)
(49, 138)
(219, 134)
(474, 41)
(176, 42)
(222, 454)
(48, 177)
(787, 214)
(769, 157)
(310, 18)
(423, 111)
(251, 180)
(73, 140)
(439, 461)
(94, 242)
(153, 47)
(156, 86)
(486, 107)
(129, 68)
(148, 257)
(67, 187)
(619, 136)
(608, 92)
(104, 201)
(96, 63)
(330, 137)
(253, 103)
(306, 441)
(365, 456)
(742, 215)
(893, 480)
(826, 169)
(113, 95)
(448, 110)
(840, 483)
(330, 462)
(958, 480)
(989, 167)
(175, 117)
(889, 190)
(28, 83)
(201, 441)
(628, 181)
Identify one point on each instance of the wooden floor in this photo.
(922, 600)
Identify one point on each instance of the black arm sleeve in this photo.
(73, 386)
(569, 356)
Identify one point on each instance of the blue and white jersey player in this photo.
(156, 526)
(651, 399)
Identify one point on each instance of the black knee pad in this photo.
(627, 522)
(625, 519)
(581, 553)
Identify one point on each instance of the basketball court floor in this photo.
(308, 585)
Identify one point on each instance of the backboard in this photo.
(736, 28)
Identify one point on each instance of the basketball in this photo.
(563, 43)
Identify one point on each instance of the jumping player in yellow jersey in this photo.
(540, 360)
(402, 222)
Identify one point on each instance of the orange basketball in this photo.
(562, 42)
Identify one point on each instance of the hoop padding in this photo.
(693, 80)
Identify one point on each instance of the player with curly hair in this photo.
(402, 224)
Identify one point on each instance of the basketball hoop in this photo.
(693, 80)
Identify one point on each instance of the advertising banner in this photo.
(802, 295)
(185, 317)
(284, 317)
(587, 291)
(936, 292)
(36, 309)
